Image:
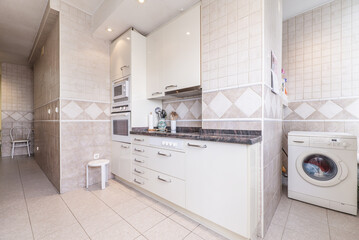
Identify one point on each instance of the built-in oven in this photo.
(120, 126)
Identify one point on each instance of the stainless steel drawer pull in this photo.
(125, 66)
(139, 139)
(138, 182)
(139, 161)
(163, 180)
(156, 93)
(164, 154)
(138, 171)
(139, 150)
(196, 145)
(296, 141)
(170, 86)
(124, 146)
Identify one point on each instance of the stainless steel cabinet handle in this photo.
(196, 145)
(139, 161)
(156, 93)
(163, 180)
(138, 182)
(138, 171)
(139, 139)
(163, 154)
(170, 86)
(296, 141)
(125, 66)
(139, 150)
(124, 146)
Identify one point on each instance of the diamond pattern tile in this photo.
(330, 109)
(93, 111)
(220, 104)
(196, 109)
(29, 116)
(181, 110)
(304, 110)
(72, 110)
(249, 102)
(353, 108)
(16, 116)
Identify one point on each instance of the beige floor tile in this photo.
(207, 234)
(275, 232)
(145, 219)
(146, 200)
(345, 222)
(141, 238)
(305, 226)
(112, 196)
(129, 207)
(83, 203)
(184, 221)
(168, 228)
(295, 235)
(14, 223)
(339, 234)
(193, 236)
(99, 222)
(73, 232)
(165, 210)
(133, 192)
(281, 214)
(121, 230)
(309, 212)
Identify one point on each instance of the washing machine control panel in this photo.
(337, 143)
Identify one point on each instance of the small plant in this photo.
(173, 116)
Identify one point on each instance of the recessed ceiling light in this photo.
(128, 38)
(109, 29)
(188, 33)
(141, 1)
(181, 9)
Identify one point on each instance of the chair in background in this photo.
(20, 137)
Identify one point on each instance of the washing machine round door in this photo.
(321, 168)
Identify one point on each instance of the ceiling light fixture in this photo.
(141, 1)
(109, 29)
(188, 33)
(128, 38)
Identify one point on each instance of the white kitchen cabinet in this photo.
(121, 160)
(120, 56)
(218, 184)
(173, 55)
(155, 87)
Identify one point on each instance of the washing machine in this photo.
(322, 169)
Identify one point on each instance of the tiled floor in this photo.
(30, 208)
(296, 220)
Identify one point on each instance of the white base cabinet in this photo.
(213, 181)
(121, 160)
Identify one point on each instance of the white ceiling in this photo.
(292, 8)
(144, 17)
(19, 23)
(88, 6)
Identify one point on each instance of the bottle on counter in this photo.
(150, 122)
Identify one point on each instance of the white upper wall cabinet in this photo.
(173, 54)
(120, 56)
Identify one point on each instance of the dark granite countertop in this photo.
(229, 136)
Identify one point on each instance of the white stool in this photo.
(98, 163)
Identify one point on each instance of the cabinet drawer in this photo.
(167, 187)
(140, 181)
(141, 150)
(140, 171)
(140, 140)
(169, 162)
(139, 160)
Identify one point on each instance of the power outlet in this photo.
(96, 156)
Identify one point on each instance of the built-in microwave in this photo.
(121, 98)
(120, 127)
